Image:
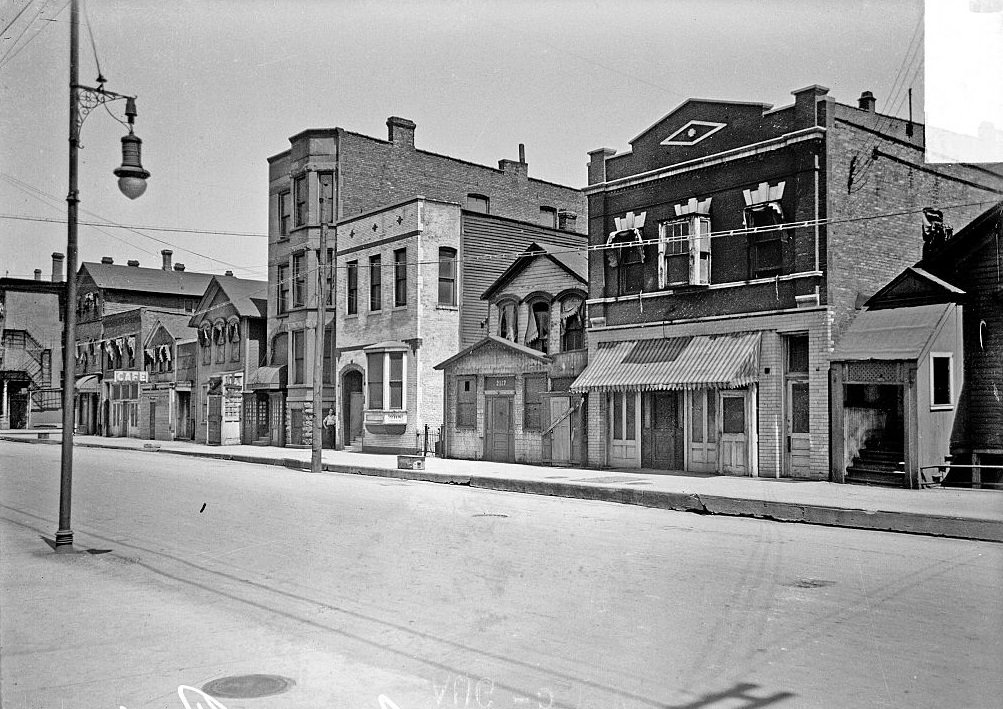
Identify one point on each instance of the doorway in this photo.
(623, 450)
(214, 431)
(662, 430)
(703, 431)
(499, 436)
(353, 406)
(734, 444)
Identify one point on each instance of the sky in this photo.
(222, 85)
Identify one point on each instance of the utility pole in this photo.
(318, 349)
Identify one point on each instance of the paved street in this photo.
(371, 592)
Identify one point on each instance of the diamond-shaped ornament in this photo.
(693, 132)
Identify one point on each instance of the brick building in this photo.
(117, 309)
(165, 404)
(507, 395)
(31, 349)
(746, 237)
(337, 177)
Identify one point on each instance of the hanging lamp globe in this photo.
(131, 176)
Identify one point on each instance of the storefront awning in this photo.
(892, 333)
(267, 378)
(89, 383)
(699, 362)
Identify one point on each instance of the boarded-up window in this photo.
(534, 386)
(466, 402)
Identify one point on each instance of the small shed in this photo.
(895, 383)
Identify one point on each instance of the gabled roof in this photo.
(914, 286)
(572, 260)
(249, 298)
(892, 333)
(150, 280)
(761, 107)
(494, 339)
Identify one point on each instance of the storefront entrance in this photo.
(703, 431)
(734, 432)
(662, 430)
(623, 450)
(499, 438)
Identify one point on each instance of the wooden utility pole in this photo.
(318, 350)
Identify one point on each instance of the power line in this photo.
(179, 230)
(19, 13)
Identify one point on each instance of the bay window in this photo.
(387, 378)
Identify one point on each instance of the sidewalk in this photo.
(964, 514)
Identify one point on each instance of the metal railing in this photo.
(428, 440)
(976, 483)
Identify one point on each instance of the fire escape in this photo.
(24, 360)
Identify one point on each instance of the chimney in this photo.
(57, 267)
(400, 131)
(806, 105)
(228, 273)
(522, 153)
(867, 102)
(38, 274)
(167, 253)
(597, 164)
(132, 262)
(566, 220)
(107, 259)
(179, 267)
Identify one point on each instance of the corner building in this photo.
(365, 189)
(733, 244)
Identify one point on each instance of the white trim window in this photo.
(941, 380)
(684, 252)
(386, 374)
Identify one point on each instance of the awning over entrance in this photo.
(89, 383)
(273, 378)
(892, 333)
(714, 361)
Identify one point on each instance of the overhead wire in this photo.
(9, 56)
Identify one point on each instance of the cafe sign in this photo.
(125, 375)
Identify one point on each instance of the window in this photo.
(733, 414)
(328, 376)
(396, 380)
(326, 181)
(548, 217)
(205, 340)
(299, 356)
(766, 254)
(478, 203)
(219, 340)
(624, 415)
(538, 327)
(466, 402)
(352, 286)
(797, 354)
(628, 259)
(941, 381)
(299, 187)
(532, 401)
(233, 334)
(284, 213)
(508, 320)
(327, 280)
(400, 277)
(684, 252)
(282, 289)
(387, 379)
(299, 280)
(375, 282)
(447, 276)
(374, 374)
(572, 323)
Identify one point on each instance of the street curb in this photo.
(876, 520)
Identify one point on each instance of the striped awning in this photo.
(700, 362)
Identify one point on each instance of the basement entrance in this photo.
(874, 426)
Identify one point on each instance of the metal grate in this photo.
(873, 371)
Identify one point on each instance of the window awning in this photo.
(892, 333)
(268, 378)
(89, 383)
(701, 362)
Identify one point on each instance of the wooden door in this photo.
(264, 415)
(798, 437)
(561, 434)
(734, 433)
(703, 431)
(215, 420)
(499, 438)
(357, 404)
(624, 451)
(662, 431)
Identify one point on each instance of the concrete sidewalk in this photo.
(964, 514)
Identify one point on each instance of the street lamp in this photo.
(132, 183)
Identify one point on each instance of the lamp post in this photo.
(132, 183)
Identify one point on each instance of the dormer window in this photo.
(684, 252)
(538, 327)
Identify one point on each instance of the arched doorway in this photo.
(353, 403)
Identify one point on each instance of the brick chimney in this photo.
(132, 262)
(597, 164)
(38, 274)
(867, 102)
(107, 259)
(228, 273)
(400, 131)
(805, 102)
(179, 267)
(57, 267)
(167, 253)
(566, 219)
